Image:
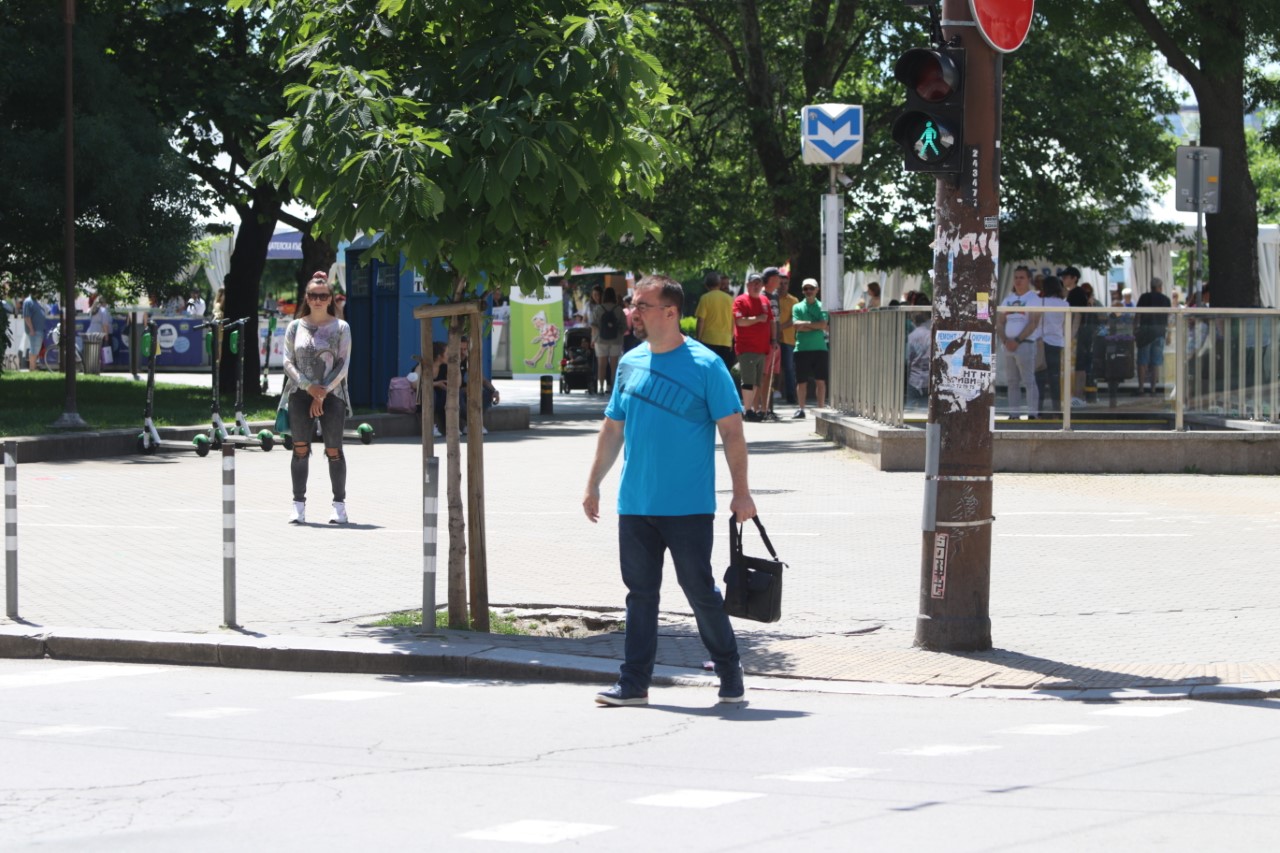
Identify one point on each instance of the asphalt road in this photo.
(143, 758)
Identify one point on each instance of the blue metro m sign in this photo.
(831, 133)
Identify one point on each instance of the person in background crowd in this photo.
(1126, 297)
(1084, 327)
(872, 299)
(787, 340)
(810, 322)
(1053, 334)
(196, 304)
(608, 325)
(753, 341)
(919, 355)
(715, 319)
(317, 354)
(1018, 331)
(100, 324)
(34, 321)
(629, 340)
(1152, 331)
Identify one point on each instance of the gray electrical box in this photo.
(1197, 178)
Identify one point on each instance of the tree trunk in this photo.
(257, 224)
(453, 484)
(1233, 230)
(317, 256)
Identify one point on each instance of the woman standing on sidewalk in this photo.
(317, 352)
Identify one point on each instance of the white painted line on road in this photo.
(536, 831)
(719, 535)
(1068, 512)
(1054, 729)
(941, 750)
(68, 729)
(347, 695)
(211, 713)
(74, 674)
(692, 798)
(823, 774)
(107, 526)
(1093, 535)
(1164, 710)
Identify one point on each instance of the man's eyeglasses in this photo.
(319, 296)
(645, 306)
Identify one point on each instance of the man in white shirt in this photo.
(1018, 331)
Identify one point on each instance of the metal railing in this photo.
(1220, 363)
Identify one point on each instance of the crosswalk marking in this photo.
(536, 831)
(822, 774)
(939, 750)
(1054, 729)
(347, 695)
(67, 729)
(211, 713)
(73, 674)
(1162, 710)
(691, 798)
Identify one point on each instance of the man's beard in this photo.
(640, 333)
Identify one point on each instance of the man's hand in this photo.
(1011, 344)
(317, 408)
(743, 507)
(591, 505)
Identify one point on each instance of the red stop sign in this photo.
(1003, 23)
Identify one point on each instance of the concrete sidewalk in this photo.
(1102, 586)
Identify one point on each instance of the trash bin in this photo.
(92, 353)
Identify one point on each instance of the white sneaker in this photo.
(299, 514)
(484, 430)
(339, 514)
(435, 430)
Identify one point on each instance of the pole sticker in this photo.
(963, 365)
(938, 581)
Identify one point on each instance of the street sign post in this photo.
(831, 134)
(1196, 178)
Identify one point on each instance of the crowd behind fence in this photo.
(1218, 364)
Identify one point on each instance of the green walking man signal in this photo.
(928, 139)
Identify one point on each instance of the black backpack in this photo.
(609, 324)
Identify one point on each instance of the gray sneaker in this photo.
(620, 694)
(731, 687)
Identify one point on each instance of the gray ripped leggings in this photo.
(303, 427)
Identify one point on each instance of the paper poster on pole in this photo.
(963, 365)
(536, 329)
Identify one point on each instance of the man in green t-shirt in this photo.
(810, 321)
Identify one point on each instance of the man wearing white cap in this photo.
(810, 321)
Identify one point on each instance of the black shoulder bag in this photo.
(752, 585)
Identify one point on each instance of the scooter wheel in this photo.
(143, 446)
(215, 441)
(287, 442)
(366, 433)
(202, 445)
(268, 440)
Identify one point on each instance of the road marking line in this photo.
(72, 675)
(1056, 729)
(692, 798)
(106, 526)
(822, 774)
(1069, 512)
(1141, 711)
(211, 713)
(1093, 535)
(536, 831)
(68, 729)
(347, 695)
(942, 749)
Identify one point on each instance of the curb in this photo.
(444, 656)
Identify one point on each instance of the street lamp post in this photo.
(69, 419)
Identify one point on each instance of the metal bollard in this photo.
(11, 529)
(546, 398)
(430, 529)
(229, 535)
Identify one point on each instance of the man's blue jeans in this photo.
(642, 539)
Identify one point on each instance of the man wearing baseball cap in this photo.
(754, 321)
(810, 321)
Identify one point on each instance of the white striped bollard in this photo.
(229, 535)
(11, 529)
(430, 517)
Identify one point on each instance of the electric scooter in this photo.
(266, 354)
(219, 434)
(241, 433)
(149, 440)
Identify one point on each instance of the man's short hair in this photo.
(1070, 271)
(672, 293)
(1023, 268)
(711, 281)
(1157, 283)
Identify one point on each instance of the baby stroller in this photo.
(578, 367)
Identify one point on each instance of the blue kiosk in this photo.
(381, 296)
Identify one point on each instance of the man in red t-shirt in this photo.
(753, 321)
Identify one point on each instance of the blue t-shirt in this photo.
(33, 311)
(669, 404)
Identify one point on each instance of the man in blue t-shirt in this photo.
(33, 323)
(671, 397)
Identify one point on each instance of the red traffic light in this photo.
(932, 74)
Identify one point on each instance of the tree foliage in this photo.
(484, 139)
(135, 203)
(1079, 164)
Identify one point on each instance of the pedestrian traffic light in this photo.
(930, 129)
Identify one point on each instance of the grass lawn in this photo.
(29, 402)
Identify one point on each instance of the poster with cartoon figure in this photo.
(536, 331)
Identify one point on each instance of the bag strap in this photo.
(735, 536)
